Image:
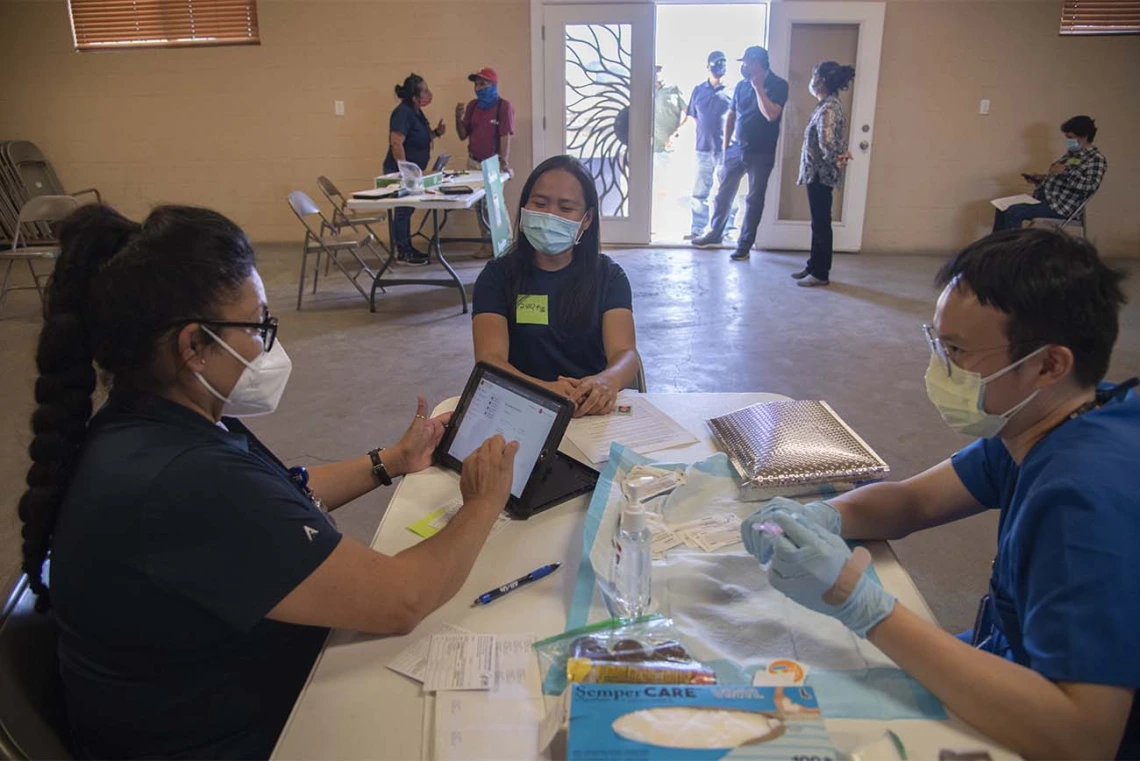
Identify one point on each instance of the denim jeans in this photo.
(708, 163)
(758, 166)
(1014, 216)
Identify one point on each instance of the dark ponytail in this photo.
(413, 85)
(835, 77)
(116, 288)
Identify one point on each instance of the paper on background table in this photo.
(432, 523)
(470, 726)
(413, 660)
(1001, 204)
(647, 429)
(460, 662)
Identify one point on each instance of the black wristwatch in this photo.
(378, 468)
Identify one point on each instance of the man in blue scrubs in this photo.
(1021, 341)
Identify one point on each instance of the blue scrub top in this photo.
(1065, 589)
(176, 537)
(709, 106)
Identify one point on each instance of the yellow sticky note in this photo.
(532, 310)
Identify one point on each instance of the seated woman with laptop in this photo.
(554, 309)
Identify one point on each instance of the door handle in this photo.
(864, 145)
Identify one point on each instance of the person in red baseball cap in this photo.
(486, 123)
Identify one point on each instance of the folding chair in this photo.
(639, 379)
(35, 177)
(40, 209)
(328, 241)
(1079, 218)
(344, 216)
(33, 718)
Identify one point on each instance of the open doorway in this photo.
(685, 36)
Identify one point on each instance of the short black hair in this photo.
(835, 76)
(716, 55)
(1054, 288)
(1081, 126)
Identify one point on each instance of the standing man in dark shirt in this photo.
(708, 107)
(752, 130)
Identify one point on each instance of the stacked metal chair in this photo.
(26, 174)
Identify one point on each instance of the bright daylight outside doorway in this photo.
(686, 34)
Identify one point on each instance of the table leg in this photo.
(446, 265)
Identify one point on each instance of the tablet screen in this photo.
(519, 414)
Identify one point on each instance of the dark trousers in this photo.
(819, 199)
(1013, 217)
(736, 164)
(402, 227)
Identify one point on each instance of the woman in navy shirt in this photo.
(409, 139)
(554, 309)
(193, 576)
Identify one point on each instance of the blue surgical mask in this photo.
(550, 234)
(1072, 144)
(487, 96)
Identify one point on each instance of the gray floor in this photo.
(704, 324)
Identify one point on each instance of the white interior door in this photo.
(802, 34)
(598, 74)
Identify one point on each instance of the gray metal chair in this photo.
(343, 216)
(33, 719)
(29, 174)
(326, 240)
(1079, 219)
(41, 209)
(639, 379)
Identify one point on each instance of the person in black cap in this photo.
(708, 106)
(752, 130)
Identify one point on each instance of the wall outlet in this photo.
(984, 106)
(338, 106)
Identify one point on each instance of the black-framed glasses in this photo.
(267, 328)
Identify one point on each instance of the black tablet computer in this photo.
(497, 401)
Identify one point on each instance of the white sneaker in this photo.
(811, 281)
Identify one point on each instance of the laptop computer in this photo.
(440, 162)
(497, 401)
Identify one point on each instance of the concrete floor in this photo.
(704, 324)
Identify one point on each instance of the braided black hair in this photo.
(835, 76)
(117, 288)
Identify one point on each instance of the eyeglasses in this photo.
(944, 352)
(267, 328)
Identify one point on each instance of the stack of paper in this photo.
(707, 534)
(635, 422)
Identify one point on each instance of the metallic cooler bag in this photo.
(793, 448)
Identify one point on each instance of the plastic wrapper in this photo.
(643, 650)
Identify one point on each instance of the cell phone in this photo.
(455, 190)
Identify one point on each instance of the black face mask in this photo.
(718, 69)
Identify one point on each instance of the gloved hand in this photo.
(760, 545)
(806, 564)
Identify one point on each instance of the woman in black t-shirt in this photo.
(409, 139)
(554, 309)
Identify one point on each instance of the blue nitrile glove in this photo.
(805, 566)
(760, 545)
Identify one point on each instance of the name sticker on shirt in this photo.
(531, 310)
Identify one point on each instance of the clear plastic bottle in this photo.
(633, 563)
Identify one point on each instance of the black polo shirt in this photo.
(754, 132)
(174, 540)
(410, 122)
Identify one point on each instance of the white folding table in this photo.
(353, 707)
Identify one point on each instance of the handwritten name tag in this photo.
(532, 310)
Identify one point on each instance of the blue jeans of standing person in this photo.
(708, 162)
(402, 228)
(819, 200)
(1013, 217)
(737, 164)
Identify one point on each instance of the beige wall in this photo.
(237, 128)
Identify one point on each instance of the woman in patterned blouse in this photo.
(821, 163)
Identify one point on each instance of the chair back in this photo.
(44, 209)
(639, 379)
(33, 719)
(302, 205)
(336, 198)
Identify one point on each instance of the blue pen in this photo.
(495, 594)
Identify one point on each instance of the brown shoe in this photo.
(484, 252)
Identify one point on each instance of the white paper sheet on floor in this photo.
(729, 615)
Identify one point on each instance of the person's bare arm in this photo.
(493, 345)
(769, 108)
(460, 124)
(895, 510)
(1010, 703)
(596, 394)
(504, 153)
(729, 127)
(357, 588)
(396, 141)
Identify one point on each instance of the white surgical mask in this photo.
(260, 385)
(960, 397)
(550, 234)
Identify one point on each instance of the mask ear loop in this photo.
(581, 233)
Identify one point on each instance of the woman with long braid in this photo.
(193, 576)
